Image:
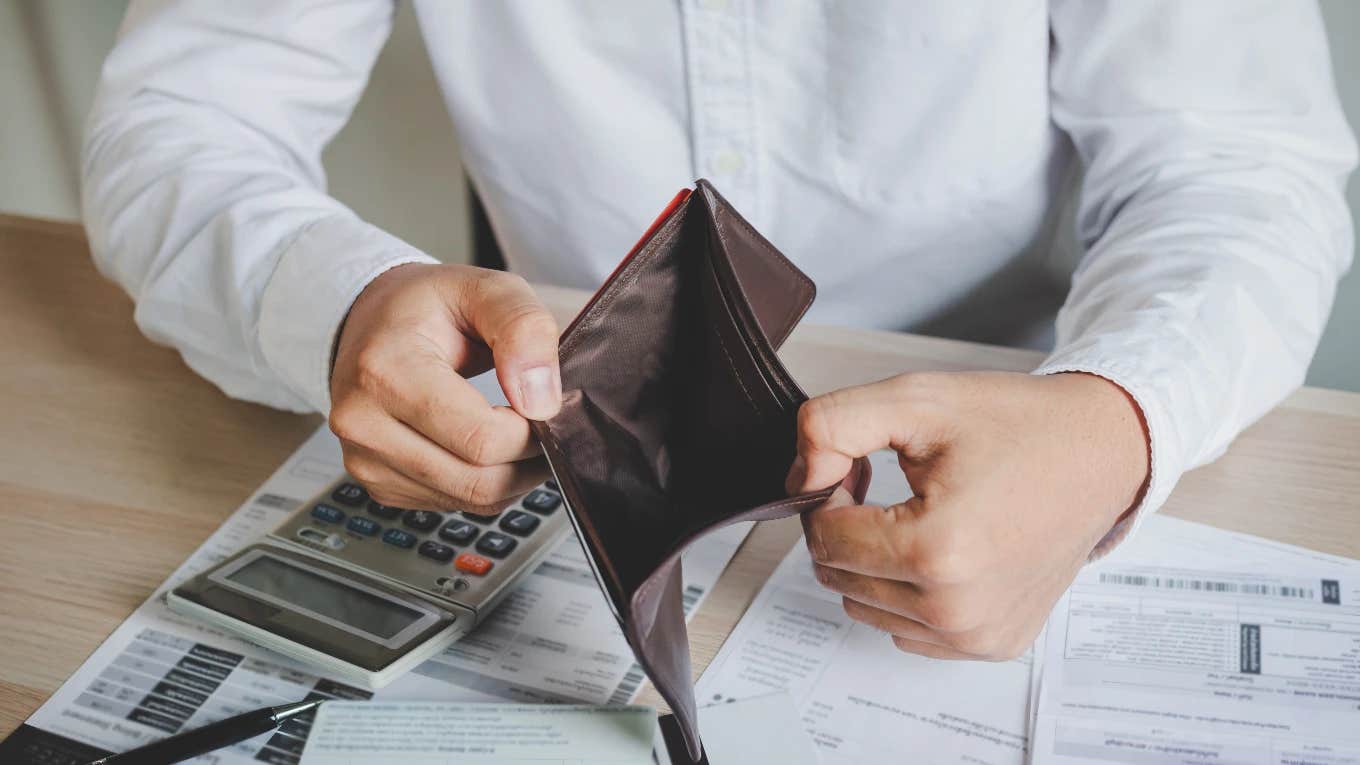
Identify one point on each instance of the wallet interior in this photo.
(676, 414)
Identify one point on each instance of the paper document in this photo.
(1158, 664)
(554, 639)
(348, 733)
(753, 731)
(862, 700)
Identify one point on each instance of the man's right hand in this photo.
(413, 430)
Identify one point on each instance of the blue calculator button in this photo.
(399, 538)
(327, 514)
(541, 501)
(361, 525)
(519, 523)
(351, 494)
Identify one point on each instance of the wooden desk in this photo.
(116, 460)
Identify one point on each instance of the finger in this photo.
(836, 428)
(901, 628)
(902, 598)
(449, 410)
(397, 446)
(864, 539)
(929, 650)
(502, 310)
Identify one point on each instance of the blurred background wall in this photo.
(396, 163)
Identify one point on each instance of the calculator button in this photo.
(495, 544)
(421, 520)
(482, 519)
(436, 551)
(520, 524)
(472, 564)
(399, 538)
(327, 514)
(459, 532)
(351, 494)
(383, 511)
(541, 501)
(361, 525)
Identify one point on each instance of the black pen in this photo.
(232, 730)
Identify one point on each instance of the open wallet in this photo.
(678, 418)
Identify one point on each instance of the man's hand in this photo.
(414, 432)
(1016, 478)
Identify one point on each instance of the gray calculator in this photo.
(364, 591)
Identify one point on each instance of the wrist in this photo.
(1121, 431)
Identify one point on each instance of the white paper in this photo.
(349, 733)
(1165, 664)
(554, 639)
(757, 730)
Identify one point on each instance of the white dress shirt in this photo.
(910, 157)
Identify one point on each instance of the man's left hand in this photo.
(1016, 479)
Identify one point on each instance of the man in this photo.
(909, 157)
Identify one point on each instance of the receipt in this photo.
(351, 733)
(1171, 664)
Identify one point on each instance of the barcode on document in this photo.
(632, 679)
(1208, 585)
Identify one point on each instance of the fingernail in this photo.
(793, 484)
(540, 393)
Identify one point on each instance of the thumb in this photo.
(836, 428)
(503, 311)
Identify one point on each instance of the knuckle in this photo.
(529, 322)
(342, 422)
(476, 442)
(816, 542)
(941, 560)
(363, 471)
(947, 614)
(983, 644)
(370, 368)
(479, 488)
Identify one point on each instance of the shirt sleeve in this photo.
(1212, 211)
(204, 194)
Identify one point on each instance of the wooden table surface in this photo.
(116, 460)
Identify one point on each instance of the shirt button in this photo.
(728, 163)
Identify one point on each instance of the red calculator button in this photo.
(472, 564)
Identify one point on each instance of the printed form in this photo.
(347, 733)
(1156, 647)
(1163, 664)
(553, 640)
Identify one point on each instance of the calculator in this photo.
(365, 591)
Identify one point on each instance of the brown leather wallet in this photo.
(678, 418)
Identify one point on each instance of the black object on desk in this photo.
(232, 730)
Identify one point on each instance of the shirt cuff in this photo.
(1165, 463)
(316, 281)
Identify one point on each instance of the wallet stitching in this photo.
(732, 365)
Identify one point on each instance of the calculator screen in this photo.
(327, 597)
